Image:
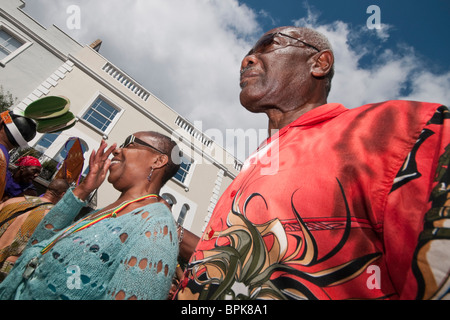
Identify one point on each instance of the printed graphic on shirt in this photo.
(431, 261)
(321, 234)
(251, 261)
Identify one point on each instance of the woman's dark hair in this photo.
(171, 149)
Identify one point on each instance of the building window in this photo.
(183, 213)
(8, 44)
(183, 172)
(101, 114)
(11, 44)
(62, 154)
(170, 199)
(46, 141)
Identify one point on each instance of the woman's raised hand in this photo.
(99, 163)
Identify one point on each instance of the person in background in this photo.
(15, 131)
(338, 203)
(125, 251)
(19, 181)
(19, 217)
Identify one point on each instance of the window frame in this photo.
(44, 137)
(185, 208)
(189, 173)
(63, 151)
(113, 122)
(25, 43)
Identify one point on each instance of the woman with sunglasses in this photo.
(126, 250)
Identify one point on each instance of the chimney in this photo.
(96, 45)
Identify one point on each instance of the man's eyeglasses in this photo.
(269, 39)
(132, 139)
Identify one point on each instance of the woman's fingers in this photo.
(100, 156)
(110, 150)
(99, 163)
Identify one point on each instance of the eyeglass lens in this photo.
(129, 140)
(263, 43)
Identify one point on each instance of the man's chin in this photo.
(251, 105)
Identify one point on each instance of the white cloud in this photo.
(188, 54)
(393, 73)
(430, 87)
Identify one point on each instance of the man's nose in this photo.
(248, 61)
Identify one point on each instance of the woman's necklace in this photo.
(100, 212)
(94, 219)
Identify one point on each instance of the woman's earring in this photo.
(150, 175)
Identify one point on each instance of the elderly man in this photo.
(338, 203)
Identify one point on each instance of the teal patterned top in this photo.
(133, 256)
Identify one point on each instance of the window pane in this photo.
(182, 173)
(62, 154)
(46, 141)
(8, 44)
(106, 110)
(3, 53)
(65, 150)
(183, 213)
(96, 119)
(100, 114)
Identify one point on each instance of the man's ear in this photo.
(323, 63)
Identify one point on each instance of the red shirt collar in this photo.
(317, 115)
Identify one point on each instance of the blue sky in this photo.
(422, 24)
(188, 52)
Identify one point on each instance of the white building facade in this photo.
(110, 105)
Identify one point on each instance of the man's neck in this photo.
(48, 198)
(279, 119)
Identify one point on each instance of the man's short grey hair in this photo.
(321, 42)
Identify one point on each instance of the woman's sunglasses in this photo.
(132, 139)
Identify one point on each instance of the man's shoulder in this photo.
(401, 105)
(397, 110)
(14, 200)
